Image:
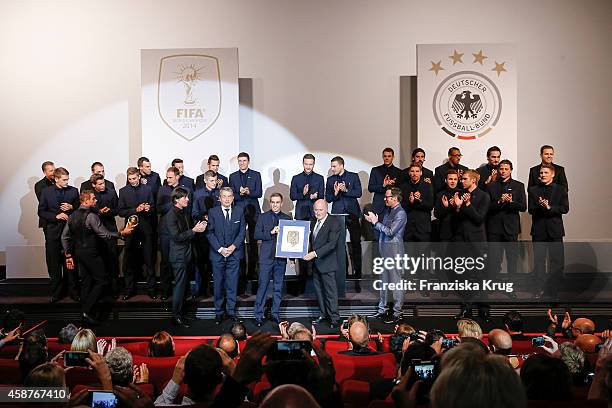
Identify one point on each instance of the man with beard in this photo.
(418, 157)
(489, 172)
(454, 157)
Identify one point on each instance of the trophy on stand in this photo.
(132, 221)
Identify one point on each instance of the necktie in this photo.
(227, 217)
(316, 230)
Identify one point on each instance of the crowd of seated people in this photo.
(571, 365)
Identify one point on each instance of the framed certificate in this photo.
(292, 241)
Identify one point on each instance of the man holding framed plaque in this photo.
(270, 266)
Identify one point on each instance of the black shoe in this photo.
(163, 298)
(394, 319)
(89, 320)
(218, 319)
(259, 322)
(318, 320)
(334, 323)
(464, 313)
(379, 315)
(54, 299)
(177, 321)
(127, 296)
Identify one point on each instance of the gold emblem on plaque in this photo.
(293, 237)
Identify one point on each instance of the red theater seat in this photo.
(355, 393)
(364, 368)
(80, 376)
(55, 348)
(9, 351)
(182, 347)
(136, 348)
(160, 369)
(9, 371)
(335, 346)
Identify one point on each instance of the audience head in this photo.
(161, 345)
(582, 325)
(500, 342)
(398, 341)
(239, 331)
(304, 334)
(67, 333)
(359, 335)
(229, 344)
(469, 328)
(294, 328)
(546, 378)
(289, 396)
(573, 357)
(203, 372)
(513, 322)
(471, 378)
(34, 352)
(119, 362)
(84, 340)
(46, 375)
(12, 319)
(587, 343)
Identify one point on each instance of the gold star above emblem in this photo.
(479, 57)
(499, 68)
(436, 67)
(456, 57)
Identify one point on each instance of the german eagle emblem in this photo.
(467, 105)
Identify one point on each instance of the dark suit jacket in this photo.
(419, 213)
(250, 202)
(303, 203)
(472, 218)
(448, 219)
(439, 180)
(131, 197)
(203, 201)
(199, 182)
(220, 234)
(375, 184)
(181, 235)
(86, 185)
(265, 223)
(344, 202)
(163, 204)
(38, 188)
(326, 243)
(548, 223)
(534, 176)
(485, 171)
(48, 207)
(504, 217)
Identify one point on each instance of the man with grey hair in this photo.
(119, 362)
(67, 333)
(573, 357)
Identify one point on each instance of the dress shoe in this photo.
(395, 318)
(379, 315)
(54, 299)
(259, 322)
(218, 319)
(179, 322)
(318, 320)
(89, 320)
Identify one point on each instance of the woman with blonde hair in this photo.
(84, 340)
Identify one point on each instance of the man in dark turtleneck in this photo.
(548, 201)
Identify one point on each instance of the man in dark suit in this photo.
(324, 243)
(81, 237)
(226, 231)
(342, 189)
(489, 172)
(473, 206)
(213, 165)
(547, 154)
(246, 184)
(382, 178)
(107, 209)
(503, 222)
(445, 209)
(96, 168)
(454, 157)
(182, 232)
(418, 157)
(203, 200)
(418, 203)
(56, 204)
(391, 243)
(548, 201)
(48, 180)
(183, 180)
(270, 267)
(306, 188)
(137, 199)
(164, 204)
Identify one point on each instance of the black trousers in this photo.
(354, 228)
(58, 273)
(95, 278)
(549, 251)
(165, 269)
(500, 243)
(138, 250)
(203, 263)
(181, 279)
(327, 293)
(110, 257)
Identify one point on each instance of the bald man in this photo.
(500, 342)
(359, 336)
(582, 325)
(587, 343)
(228, 343)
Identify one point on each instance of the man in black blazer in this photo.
(445, 209)
(213, 165)
(382, 178)
(96, 168)
(547, 154)
(418, 203)
(323, 242)
(454, 157)
(418, 157)
(182, 231)
(56, 204)
(473, 206)
(489, 172)
(48, 180)
(503, 222)
(548, 201)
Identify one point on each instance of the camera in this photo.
(538, 341)
(449, 343)
(284, 350)
(75, 359)
(103, 399)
